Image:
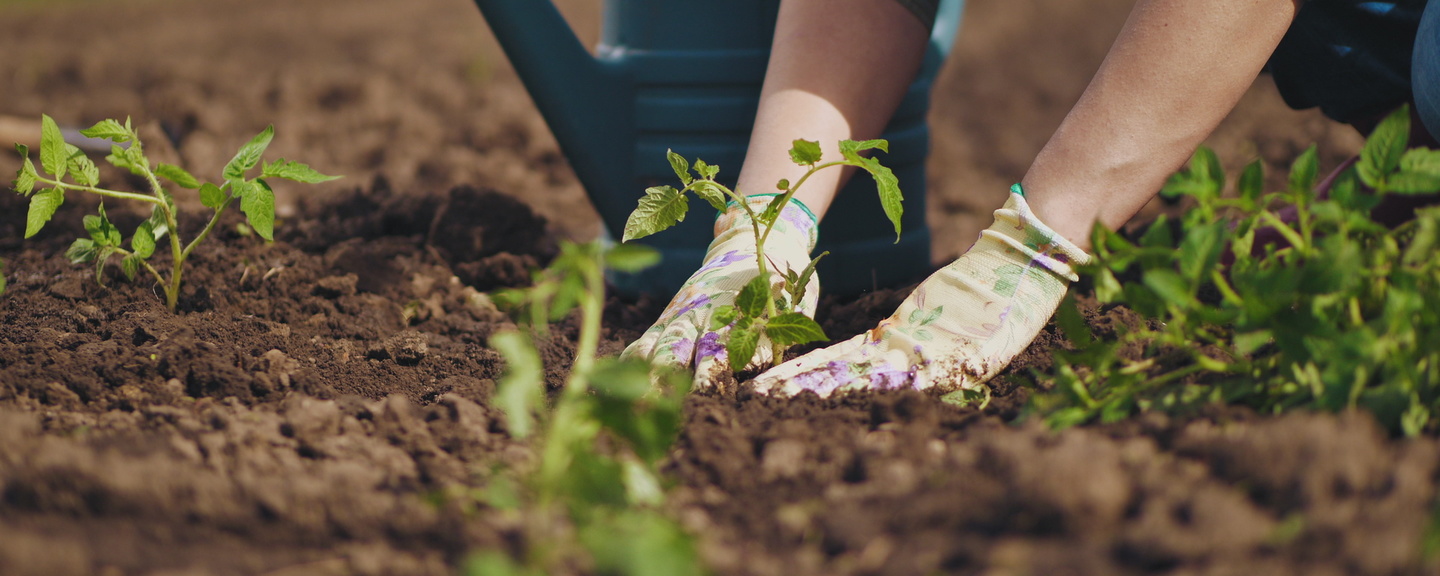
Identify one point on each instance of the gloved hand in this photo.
(961, 326)
(682, 337)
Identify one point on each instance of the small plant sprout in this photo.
(66, 168)
(762, 308)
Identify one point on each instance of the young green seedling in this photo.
(762, 306)
(60, 160)
(611, 494)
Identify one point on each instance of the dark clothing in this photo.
(1351, 58)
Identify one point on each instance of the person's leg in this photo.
(836, 72)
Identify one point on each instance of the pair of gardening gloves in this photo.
(958, 329)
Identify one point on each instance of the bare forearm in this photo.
(1176, 70)
(834, 74)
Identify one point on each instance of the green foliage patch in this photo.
(1344, 316)
(64, 167)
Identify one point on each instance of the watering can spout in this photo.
(579, 96)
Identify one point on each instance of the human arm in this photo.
(1176, 70)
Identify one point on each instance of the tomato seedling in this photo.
(60, 160)
(762, 307)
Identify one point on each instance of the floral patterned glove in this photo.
(961, 326)
(682, 337)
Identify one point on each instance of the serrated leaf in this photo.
(521, 390)
(706, 171)
(805, 152)
(178, 175)
(851, 149)
(109, 130)
(888, 186)
(1423, 160)
(25, 177)
(1170, 287)
(751, 299)
(711, 193)
(771, 213)
(82, 250)
(723, 316)
(680, 166)
(793, 328)
(52, 147)
(82, 170)
(1252, 181)
(130, 265)
(103, 255)
(128, 158)
(42, 206)
(1412, 183)
(631, 257)
(258, 204)
(1304, 172)
(294, 171)
(249, 155)
(661, 207)
(143, 242)
(1385, 146)
(741, 345)
(211, 195)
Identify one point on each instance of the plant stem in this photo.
(214, 219)
(100, 191)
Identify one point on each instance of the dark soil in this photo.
(321, 405)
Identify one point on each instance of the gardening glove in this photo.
(682, 338)
(961, 326)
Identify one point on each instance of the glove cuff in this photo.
(796, 221)
(1017, 228)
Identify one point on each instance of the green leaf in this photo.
(1412, 183)
(82, 250)
(711, 193)
(631, 257)
(130, 265)
(888, 186)
(661, 207)
(772, 209)
(706, 171)
(25, 177)
(1385, 146)
(42, 206)
(522, 389)
(1423, 160)
(751, 299)
(783, 185)
(82, 170)
(177, 175)
(2, 277)
(1072, 322)
(143, 242)
(1171, 287)
(128, 158)
(249, 155)
(1304, 172)
(52, 147)
(680, 166)
(211, 195)
(1252, 181)
(258, 204)
(294, 171)
(793, 328)
(723, 316)
(108, 130)
(805, 152)
(851, 149)
(740, 346)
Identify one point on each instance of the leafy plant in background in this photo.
(611, 492)
(759, 309)
(59, 160)
(1342, 315)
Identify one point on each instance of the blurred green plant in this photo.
(60, 160)
(1344, 316)
(760, 310)
(600, 442)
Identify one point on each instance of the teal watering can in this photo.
(652, 87)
